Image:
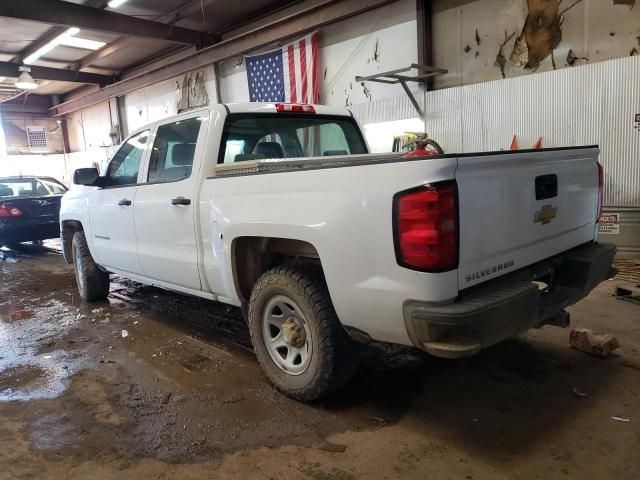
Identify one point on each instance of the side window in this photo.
(41, 189)
(124, 167)
(173, 151)
(53, 187)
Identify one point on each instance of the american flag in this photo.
(289, 74)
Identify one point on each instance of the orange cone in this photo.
(538, 143)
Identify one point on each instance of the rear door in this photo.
(165, 207)
(111, 208)
(522, 207)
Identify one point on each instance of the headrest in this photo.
(269, 149)
(6, 192)
(182, 153)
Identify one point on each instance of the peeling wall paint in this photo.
(541, 35)
(378, 41)
(161, 100)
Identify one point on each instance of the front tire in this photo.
(297, 336)
(93, 283)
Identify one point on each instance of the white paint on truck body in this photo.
(498, 207)
(345, 212)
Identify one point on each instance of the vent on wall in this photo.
(37, 138)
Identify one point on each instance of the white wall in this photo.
(587, 29)
(348, 49)
(90, 128)
(233, 81)
(58, 166)
(159, 101)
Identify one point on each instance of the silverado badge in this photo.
(545, 215)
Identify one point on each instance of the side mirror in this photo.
(86, 176)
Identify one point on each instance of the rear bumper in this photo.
(505, 307)
(28, 230)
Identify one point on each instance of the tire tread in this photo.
(338, 354)
(96, 284)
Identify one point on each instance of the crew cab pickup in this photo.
(280, 209)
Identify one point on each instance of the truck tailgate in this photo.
(517, 208)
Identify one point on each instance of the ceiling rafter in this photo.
(8, 69)
(51, 34)
(171, 17)
(310, 15)
(61, 13)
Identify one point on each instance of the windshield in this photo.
(29, 187)
(253, 137)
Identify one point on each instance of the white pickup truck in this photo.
(279, 209)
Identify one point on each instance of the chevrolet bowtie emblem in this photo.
(545, 215)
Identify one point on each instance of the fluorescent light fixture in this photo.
(81, 43)
(47, 47)
(116, 3)
(25, 80)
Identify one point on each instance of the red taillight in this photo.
(600, 190)
(294, 107)
(9, 211)
(426, 227)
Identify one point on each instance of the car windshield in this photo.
(252, 137)
(29, 187)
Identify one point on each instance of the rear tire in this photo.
(93, 283)
(297, 336)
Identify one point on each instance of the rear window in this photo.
(254, 137)
(29, 187)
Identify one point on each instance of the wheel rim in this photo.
(286, 335)
(79, 276)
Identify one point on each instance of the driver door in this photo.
(111, 208)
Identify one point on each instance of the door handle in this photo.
(180, 201)
(124, 202)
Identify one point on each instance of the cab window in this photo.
(253, 137)
(173, 151)
(53, 187)
(124, 167)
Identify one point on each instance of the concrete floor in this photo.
(181, 396)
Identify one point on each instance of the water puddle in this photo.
(31, 365)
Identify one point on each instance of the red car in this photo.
(29, 209)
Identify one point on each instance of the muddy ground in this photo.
(158, 385)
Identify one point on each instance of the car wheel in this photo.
(297, 336)
(93, 283)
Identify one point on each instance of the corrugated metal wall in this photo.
(386, 110)
(591, 104)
